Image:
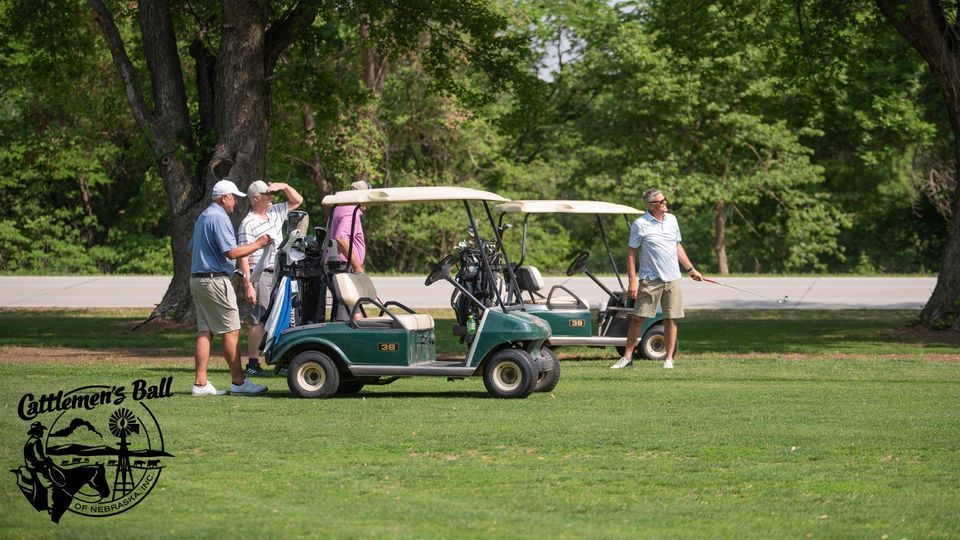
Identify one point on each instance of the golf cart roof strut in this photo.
(606, 244)
(514, 286)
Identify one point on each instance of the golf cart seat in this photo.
(530, 280)
(352, 289)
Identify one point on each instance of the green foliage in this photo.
(72, 177)
(817, 133)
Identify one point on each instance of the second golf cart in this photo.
(570, 316)
(380, 341)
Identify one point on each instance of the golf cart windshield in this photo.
(596, 208)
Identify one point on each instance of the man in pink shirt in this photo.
(346, 219)
(343, 221)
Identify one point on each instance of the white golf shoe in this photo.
(248, 388)
(622, 363)
(668, 364)
(207, 390)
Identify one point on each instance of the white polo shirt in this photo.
(657, 242)
(254, 226)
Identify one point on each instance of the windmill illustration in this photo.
(122, 423)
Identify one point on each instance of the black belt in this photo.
(267, 270)
(208, 274)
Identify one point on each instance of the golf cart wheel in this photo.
(347, 388)
(510, 373)
(313, 375)
(652, 346)
(547, 380)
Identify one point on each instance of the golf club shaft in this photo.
(779, 301)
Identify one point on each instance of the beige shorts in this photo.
(216, 304)
(653, 292)
(263, 288)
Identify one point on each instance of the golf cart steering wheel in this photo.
(439, 271)
(578, 264)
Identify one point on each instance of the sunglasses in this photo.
(658, 203)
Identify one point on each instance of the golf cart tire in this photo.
(313, 374)
(510, 374)
(547, 380)
(349, 388)
(652, 346)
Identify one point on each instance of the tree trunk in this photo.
(720, 236)
(241, 92)
(233, 100)
(924, 24)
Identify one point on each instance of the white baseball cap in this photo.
(226, 187)
(258, 188)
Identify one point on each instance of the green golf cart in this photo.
(380, 342)
(570, 316)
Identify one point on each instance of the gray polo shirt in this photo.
(657, 242)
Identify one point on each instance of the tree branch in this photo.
(206, 73)
(282, 33)
(128, 73)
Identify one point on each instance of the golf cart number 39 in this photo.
(577, 323)
(388, 347)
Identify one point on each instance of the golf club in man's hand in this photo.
(777, 300)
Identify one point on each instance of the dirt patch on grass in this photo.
(68, 355)
(919, 334)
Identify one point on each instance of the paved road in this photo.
(802, 292)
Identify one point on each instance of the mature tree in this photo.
(686, 101)
(235, 50)
(933, 29)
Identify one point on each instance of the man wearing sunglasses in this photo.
(655, 238)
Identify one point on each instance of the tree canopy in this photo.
(790, 136)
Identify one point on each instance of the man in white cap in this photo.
(213, 251)
(263, 218)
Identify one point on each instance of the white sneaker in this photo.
(622, 363)
(668, 364)
(247, 388)
(207, 390)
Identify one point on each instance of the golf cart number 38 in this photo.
(388, 347)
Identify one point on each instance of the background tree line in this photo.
(790, 136)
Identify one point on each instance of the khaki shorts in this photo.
(264, 288)
(216, 304)
(653, 292)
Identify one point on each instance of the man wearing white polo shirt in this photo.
(655, 236)
(264, 218)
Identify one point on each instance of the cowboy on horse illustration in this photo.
(42, 475)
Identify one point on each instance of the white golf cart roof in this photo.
(410, 194)
(564, 207)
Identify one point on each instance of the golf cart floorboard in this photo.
(438, 368)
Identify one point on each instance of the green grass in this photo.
(822, 434)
